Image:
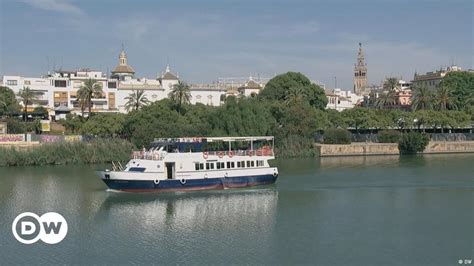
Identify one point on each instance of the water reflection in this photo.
(354, 161)
(190, 210)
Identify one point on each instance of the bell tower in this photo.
(360, 72)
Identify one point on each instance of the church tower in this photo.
(123, 71)
(360, 72)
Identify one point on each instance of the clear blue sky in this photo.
(204, 40)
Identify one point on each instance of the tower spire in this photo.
(360, 72)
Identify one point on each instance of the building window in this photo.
(60, 83)
(112, 85)
(12, 82)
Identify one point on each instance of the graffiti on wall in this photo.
(12, 138)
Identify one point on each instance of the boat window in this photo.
(228, 164)
(218, 165)
(252, 163)
(209, 166)
(233, 164)
(248, 163)
(242, 164)
(136, 169)
(238, 164)
(198, 166)
(222, 165)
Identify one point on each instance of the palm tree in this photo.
(136, 99)
(444, 98)
(90, 89)
(386, 98)
(82, 98)
(180, 94)
(295, 95)
(422, 98)
(391, 83)
(27, 96)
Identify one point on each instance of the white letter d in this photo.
(27, 228)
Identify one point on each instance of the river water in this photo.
(332, 211)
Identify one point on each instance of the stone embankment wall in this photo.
(361, 149)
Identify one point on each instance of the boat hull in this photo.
(190, 184)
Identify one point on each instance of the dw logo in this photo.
(28, 228)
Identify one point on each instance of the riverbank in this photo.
(79, 152)
(365, 149)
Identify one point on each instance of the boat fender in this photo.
(275, 174)
(226, 175)
(156, 181)
(183, 181)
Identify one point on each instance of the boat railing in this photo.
(257, 152)
(158, 156)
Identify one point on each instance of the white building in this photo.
(57, 92)
(340, 100)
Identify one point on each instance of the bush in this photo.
(15, 126)
(337, 136)
(389, 136)
(97, 151)
(413, 142)
(294, 146)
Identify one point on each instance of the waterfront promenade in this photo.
(363, 149)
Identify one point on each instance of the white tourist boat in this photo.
(182, 164)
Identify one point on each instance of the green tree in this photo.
(390, 84)
(91, 89)
(444, 98)
(413, 142)
(461, 86)
(8, 102)
(295, 95)
(27, 96)
(40, 111)
(279, 87)
(180, 94)
(336, 119)
(360, 118)
(136, 100)
(104, 125)
(386, 98)
(422, 98)
(73, 123)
